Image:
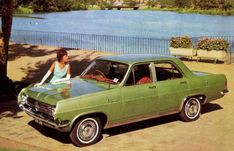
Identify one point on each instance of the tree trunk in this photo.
(7, 10)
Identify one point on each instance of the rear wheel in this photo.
(86, 132)
(191, 110)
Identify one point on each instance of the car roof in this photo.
(136, 58)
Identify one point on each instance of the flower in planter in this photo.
(181, 42)
(209, 44)
(182, 46)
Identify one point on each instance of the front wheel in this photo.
(86, 132)
(191, 110)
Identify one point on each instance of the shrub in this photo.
(23, 10)
(151, 3)
(80, 6)
(213, 44)
(181, 42)
(103, 5)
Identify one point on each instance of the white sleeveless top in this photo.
(58, 72)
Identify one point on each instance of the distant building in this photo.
(139, 1)
(116, 3)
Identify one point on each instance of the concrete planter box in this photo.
(213, 54)
(188, 52)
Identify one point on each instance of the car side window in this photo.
(167, 71)
(140, 74)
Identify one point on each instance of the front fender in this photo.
(90, 114)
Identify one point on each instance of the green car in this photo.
(117, 90)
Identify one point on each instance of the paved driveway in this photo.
(214, 131)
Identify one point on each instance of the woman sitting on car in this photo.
(61, 69)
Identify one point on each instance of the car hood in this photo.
(52, 93)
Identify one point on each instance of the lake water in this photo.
(119, 31)
(154, 24)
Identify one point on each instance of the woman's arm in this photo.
(46, 75)
(68, 72)
(52, 67)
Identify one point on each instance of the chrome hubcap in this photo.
(87, 131)
(192, 108)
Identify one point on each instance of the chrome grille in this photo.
(40, 106)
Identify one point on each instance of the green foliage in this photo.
(54, 5)
(92, 2)
(64, 5)
(181, 42)
(94, 7)
(211, 11)
(213, 44)
(194, 4)
(211, 4)
(23, 10)
(152, 3)
(166, 3)
(205, 4)
(182, 3)
(197, 11)
(79, 6)
(222, 7)
(104, 4)
(51, 5)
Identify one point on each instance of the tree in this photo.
(195, 4)
(7, 89)
(6, 11)
(182, 3)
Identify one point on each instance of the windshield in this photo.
(105, 71)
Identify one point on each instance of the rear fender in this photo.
(200, 97)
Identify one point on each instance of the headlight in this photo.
(53, 110)
(24, 97)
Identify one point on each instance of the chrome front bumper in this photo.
(43, 120)
(224, 92)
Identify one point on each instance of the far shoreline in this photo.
(214, 12)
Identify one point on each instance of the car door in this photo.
(172, 87)
(138, 92)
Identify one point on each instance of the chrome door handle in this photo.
(152, 87)
(183, 82)
(111, 100)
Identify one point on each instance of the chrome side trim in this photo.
(110, 125)
(42, 120)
